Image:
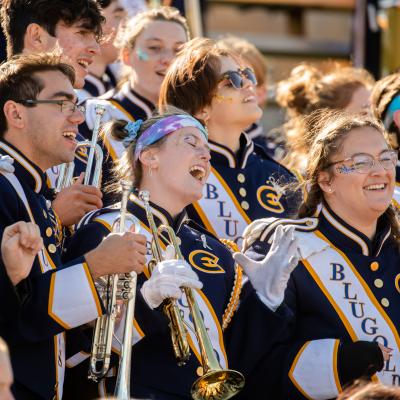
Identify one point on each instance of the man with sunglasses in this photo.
(39, 120)
(73, 29)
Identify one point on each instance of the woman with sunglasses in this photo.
(344, 293)
(385, 101)
(168, 156)
(148, 44)
(208, 82)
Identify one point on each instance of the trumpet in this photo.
(112, 289)
(66, 175)
(216, 383)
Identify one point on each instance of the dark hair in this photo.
(308, 89)
(17, 15)
(384, 91)
(364, 390)
(192, 79)
(330, 129)
(18, 79)
(126, 168)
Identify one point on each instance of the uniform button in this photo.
(378, 283)
(49, 232)
(52, 248)
(245, 205)
(45, 214)
(385, 302)
(241, 178)
(242, 192)
(309, 223)
(374, 266)
(178, 241)
(199, 371)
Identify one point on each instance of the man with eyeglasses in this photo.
(73, 29)
(39, 119)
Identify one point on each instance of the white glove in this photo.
(6, 164)
(166, 280)
(270, 276)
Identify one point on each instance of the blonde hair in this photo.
(308, 89)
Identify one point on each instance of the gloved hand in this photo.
(270, 276)
(6, 164)
(166, 280)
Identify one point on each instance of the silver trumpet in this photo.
(66, 175)
(115, 289)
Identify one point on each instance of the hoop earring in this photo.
(150, 172)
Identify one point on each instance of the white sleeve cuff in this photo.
(314, 370)
(73, 299)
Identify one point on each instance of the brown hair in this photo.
(384, 91)
(126, 168)
(363, 390)
(249, 52)
(330, 129)
(308, 89)
(17, 15)
(127, 37)
(192, 79)
(18, 79)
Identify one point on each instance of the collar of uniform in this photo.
(25, 169)
(129, 95)
(221, 155)
(94, 85)
(161, 216)
(346, 237)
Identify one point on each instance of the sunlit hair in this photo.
(309, 89)
(136, 25)
(384, 91)
(192, 79)
(330, 130)
(249, 53)
(363, 390)
(126, 168)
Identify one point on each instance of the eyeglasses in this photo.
(68, 107)
(363, 163)
(236, 78)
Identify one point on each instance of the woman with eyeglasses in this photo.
(209, 82)
(344, 292)
(168, 156)
(385, 99)
(147, 46)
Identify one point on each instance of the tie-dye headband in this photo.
(164, 127)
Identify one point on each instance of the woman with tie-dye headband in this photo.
(168, 156)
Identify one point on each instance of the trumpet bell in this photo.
(218, 385)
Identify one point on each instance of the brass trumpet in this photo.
(216, 383)
(112, 289)
(66, 175)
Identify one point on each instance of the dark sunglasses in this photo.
(236, 78)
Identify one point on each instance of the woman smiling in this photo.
(345, 291)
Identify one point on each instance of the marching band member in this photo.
(72, 29)
(169, 157)
(385, 99)
(38, 121)
(208, 82)
(251, 57)
(148, 45)
(306, 90)
(101, 78)
(345, 291)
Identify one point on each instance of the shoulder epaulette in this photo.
(263, 229)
